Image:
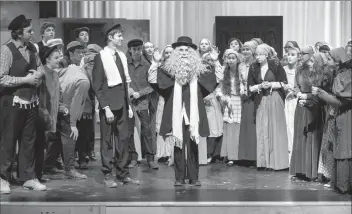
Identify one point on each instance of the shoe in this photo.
(230, 163)
(179, 183)
(74, 174)
(83, 165)
(133, 164)
(92, 156)
(130, 181)
(153, 165)
(195, 183)
(43, 180)
(4, 186)
(34, 184)
(109, 181)
(209, 160)
(53, 170)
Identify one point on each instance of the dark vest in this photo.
(20, 68)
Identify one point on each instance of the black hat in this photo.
(19, 22)
(184, 41)
(79, 30)
(134, 43)
(117, 26)
(73, 45)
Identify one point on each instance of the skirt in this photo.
(272, 146)
(230, 141)
(247, 148)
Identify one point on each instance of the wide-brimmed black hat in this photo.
(19, 22)
(184, 41)
(79, 30)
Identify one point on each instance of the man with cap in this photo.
(138, 68)
(86, 124)
(20, 74)
(82, 35)
(74, 86)
(47, 30)
(49, 106)
(110, 84)
(184, 81)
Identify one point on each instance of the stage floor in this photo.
(220, 183)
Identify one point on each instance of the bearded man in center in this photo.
(183, 81)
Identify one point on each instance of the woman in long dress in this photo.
(209, 56)
(292, 55)
(229, 95)
(308, 126)
(342, 100)
(247, 148)
(266, 78)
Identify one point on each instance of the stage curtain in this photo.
(304, 21)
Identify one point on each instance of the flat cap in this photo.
(117, 26)
(74, 45)
(135, 43)
(19, 22)
(79, 30)
(46, 25)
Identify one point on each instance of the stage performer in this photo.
(110, 79)
(183, 81)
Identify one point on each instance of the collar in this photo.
(141, 62)
(18, 45)
(112, 51)
(44, 43)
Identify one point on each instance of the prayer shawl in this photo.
(179, 112)
(111, 71)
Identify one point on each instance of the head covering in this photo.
(46, 25)
(79, 30)
(93, 48)
(115, 27)
(339, 54)
(233, 39)
(259, 41)
(19, 22)
(291, 44)
(252, 45)
(324, 47)
(307, 50)
(73, 45)
(228, 52)
(184, 41)
(269, 51)
(318, 59)
(134, 43)
(51, 45)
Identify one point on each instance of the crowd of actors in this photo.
(182, 105)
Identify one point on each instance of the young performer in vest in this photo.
(49, 106)
(74, 85)
(110, 78)
(138, 69)
(47, 30)
(20, 74)
(184, 81)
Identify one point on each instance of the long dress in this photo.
(247, 148)
(232, 120)
(270, 118)
(308, 129)
(342, 149)
(290, 108)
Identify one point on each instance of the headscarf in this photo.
(228, 52)
(308, 50)
(339, 54)
(269, 51)
(292, 44)
(252, 45)
(259, 41)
